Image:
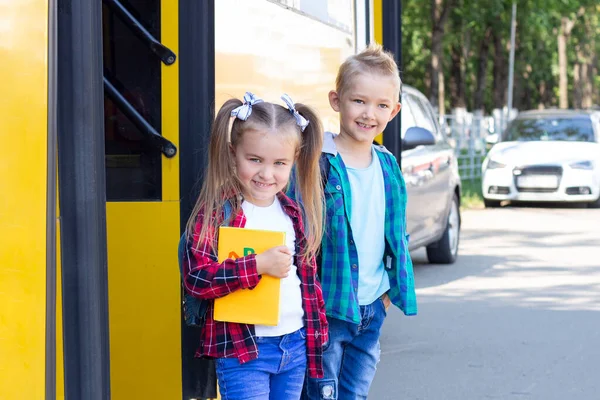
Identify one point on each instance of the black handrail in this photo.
(164, 144)
(162, 51)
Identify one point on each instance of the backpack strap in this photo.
(324, 167)
(227, 209)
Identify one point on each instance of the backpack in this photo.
(194, 309)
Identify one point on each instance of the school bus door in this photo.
(140, 39)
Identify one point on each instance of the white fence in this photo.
(467, 132)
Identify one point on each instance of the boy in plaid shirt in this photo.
(365, 265)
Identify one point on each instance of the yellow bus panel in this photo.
(144, 300)
(23, 176)
(275, 58)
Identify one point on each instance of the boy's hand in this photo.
(386, 301)
(276, 262)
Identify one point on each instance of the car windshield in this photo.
(547, 129)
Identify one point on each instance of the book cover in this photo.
(249, 306)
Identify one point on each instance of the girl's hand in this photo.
(276, 262)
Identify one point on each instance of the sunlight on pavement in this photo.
(538, 258)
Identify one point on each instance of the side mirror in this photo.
(491, 140)
(416, 136)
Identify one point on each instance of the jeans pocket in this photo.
(224, 363)
(302, 332)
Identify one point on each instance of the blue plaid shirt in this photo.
(339, 256)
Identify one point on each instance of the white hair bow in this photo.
(243, 112)
(300, 120)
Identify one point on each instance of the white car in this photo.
(545, 156)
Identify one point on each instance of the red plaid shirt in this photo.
(205, 278)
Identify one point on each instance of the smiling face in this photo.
(366, 106)
(263, 161)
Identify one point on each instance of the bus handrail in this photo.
(164, 144)
(162, 51)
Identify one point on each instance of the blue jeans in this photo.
(277, 373)
(350, 358)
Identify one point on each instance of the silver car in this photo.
(430, 170)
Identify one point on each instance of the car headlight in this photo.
(582, 165)
(495, 164)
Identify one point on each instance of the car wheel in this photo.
(445, 250)
(491, 203)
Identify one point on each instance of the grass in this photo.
(471, 196)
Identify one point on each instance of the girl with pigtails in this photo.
(253, 147)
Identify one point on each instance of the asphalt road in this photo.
(517, 317)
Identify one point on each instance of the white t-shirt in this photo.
(368, 229)
(291, 314)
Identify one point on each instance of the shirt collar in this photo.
(330, 147)
(329, 144)
(288, 205)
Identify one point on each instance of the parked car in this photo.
(430, 170)
(550, 155)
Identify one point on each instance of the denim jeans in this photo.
(277, 373)
(350, 358)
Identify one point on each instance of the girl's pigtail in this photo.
(309, 178)
(219, 181)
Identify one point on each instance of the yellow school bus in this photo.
(105, 111)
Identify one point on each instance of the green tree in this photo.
(556, 52)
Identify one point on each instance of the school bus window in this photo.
(133, 165)
(337, 13)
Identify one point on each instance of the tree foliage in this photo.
(475, 52)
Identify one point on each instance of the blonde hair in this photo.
(221, 183)
(374, 60)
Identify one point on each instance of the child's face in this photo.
(366, 106)
(264, 161)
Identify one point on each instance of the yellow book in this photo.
(249, 306)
